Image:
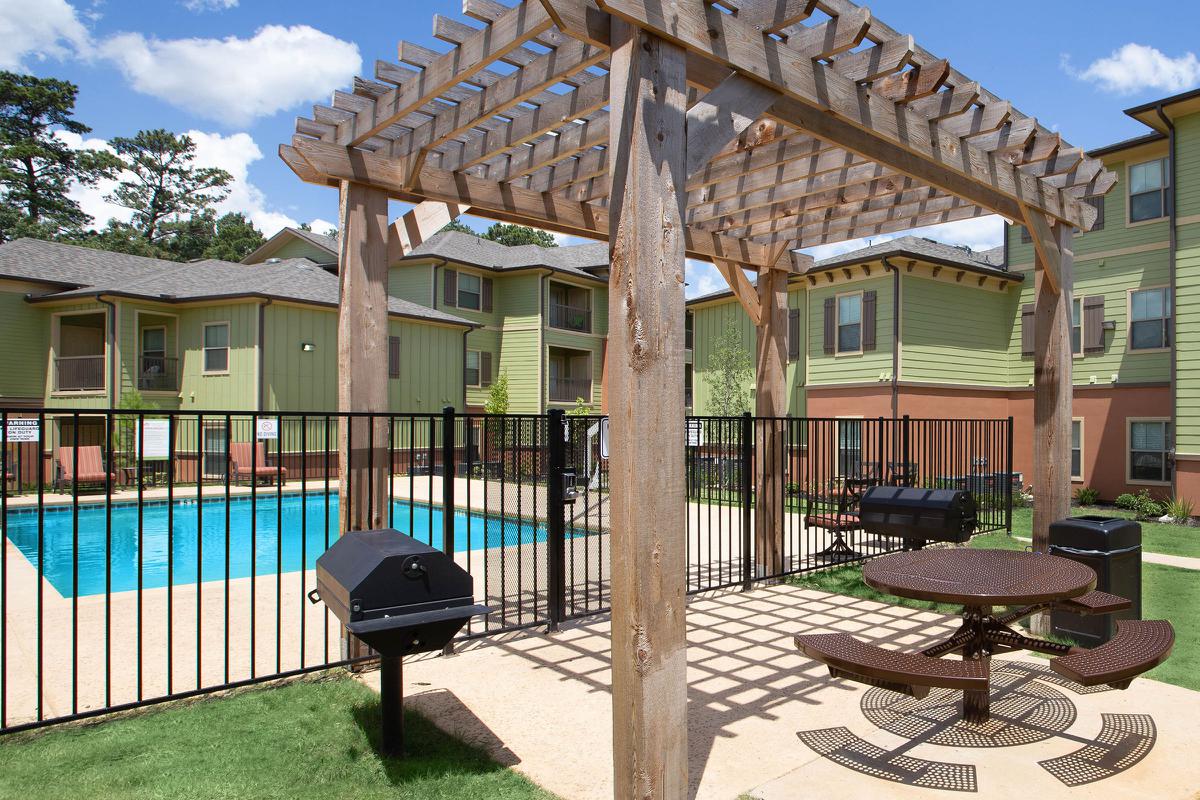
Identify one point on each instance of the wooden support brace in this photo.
(720, 117)
(742, 289)
(418, 224)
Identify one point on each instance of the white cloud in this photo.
(232, 80)
(701, 278)
(199, 6)
(41, 29)
(1135, 67)
(233, 153)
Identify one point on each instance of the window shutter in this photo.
(868, 321)
(1027, 346)
(1093, 324)
(485, 369)
(829, 323)
(793, 334)
(486, 302)
(393, 357)
(450, 295)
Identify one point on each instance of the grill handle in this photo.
(314, 597)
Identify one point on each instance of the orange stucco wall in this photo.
(1104, 412)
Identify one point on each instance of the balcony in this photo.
(79, 373)
(570, 318)
(158, 374)
(568, 390)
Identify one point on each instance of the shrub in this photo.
(1126, 501)
(1086, 496)
(1141, 504)
(1179, 509)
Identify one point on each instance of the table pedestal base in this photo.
(976, 706)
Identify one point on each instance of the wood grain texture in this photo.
(770, 400)
(362, 356)
(645, 352)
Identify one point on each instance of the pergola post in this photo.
(1051, 384)
(362, 357)
(770, 403)
(646, 310)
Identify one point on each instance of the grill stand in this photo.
(391, 703)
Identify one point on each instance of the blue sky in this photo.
(235, 73)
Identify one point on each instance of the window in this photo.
(687, 385)
(1147, 190)
(1077, 326)
(850, 447)
(1150, 319)
(216, 347)
(1150, 451)
(472, 376)
(470, 289)
(849, 323)
(154, 343)
(1077, 449)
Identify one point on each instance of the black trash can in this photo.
(1112, 546)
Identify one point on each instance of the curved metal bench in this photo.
(1139, 646)
(1095, 602)
(908, 673)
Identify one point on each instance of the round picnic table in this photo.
(979, 580)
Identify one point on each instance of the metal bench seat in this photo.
(1139, 646)
(1095, 602)
(908, 673)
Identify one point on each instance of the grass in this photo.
(1157, 537)
(310, 739)
(1168, 593)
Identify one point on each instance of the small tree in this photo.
(497, 402)
(513, 235)
(582, 408)
(730, 372)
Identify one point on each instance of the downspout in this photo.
(464, 370)
(434, 288)
(112, 349)
(895, 335)
(543, 359)
(1173, 237)
(262, 346)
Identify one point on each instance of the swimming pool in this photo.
(193, 554)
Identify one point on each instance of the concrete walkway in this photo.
(542, 704)
(1183, 562)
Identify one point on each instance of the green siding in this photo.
(412, 282)
(519, 357)
(236, 390)
(485, 341)
(295, 379)
(865, 367)
(300, 248)
(1187, 395)
(131, 320)
(1187, 168)
(431, 375)
(26, 343)
(953, 333)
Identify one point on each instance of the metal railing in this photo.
(568, 390)
(158, 374)
(78, 373)
(570, 318)
(153, 555)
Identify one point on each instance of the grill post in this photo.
(391, 704)
(556, 523)
(747, 481)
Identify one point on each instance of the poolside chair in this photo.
(248, 465)
(90, 468)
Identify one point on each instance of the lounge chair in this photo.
(249, 465)
(90, 468)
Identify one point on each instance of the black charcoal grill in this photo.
(399, 597)
(918, 515)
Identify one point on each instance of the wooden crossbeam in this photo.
(776, 15)
(418, 224)
(721, 115)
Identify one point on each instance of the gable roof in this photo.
(328, 244)
(981, 262)
(580, 260)
(76, 271)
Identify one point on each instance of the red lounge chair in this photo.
(248, 465)
(90, 468)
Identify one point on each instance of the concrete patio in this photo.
(542, 704)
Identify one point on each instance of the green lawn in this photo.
(310, 739)
(1172, 540)
(1167, 593)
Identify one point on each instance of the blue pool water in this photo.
(271, 552)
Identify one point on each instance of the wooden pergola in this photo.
(730, 131)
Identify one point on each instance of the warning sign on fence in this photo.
(268, 429)
(22, 430)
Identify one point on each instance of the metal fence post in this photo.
(906, 468)
(747, 500)
(1008, 494)
(556, 517)
(448, 470)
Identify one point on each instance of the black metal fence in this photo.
(151, 555)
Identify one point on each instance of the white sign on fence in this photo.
(268, 429)
(604, 437)
(22, 430)
(155, 439)
(695, 433)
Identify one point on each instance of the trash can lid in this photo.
(1095, 532)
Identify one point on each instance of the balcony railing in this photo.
(568, 390)
(159, 374)
(570, 318)
(78, 373)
